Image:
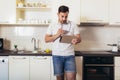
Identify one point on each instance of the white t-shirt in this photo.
(63, 49)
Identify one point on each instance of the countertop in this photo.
(77, 53)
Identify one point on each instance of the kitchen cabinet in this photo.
(78, 67)
(52, 71)
(19, 68)
(4, 67)
(74, 9)
(94, 11)
(40, 67)
(117, 68)
(114, 12)
(7, 7)
(33, 12)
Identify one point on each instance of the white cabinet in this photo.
(33, 11)
(117, 68)
(52, 71)
(78, 67)
(4, 68)
(114, 12)
(40, 67)
(18, 67)
(74, 9)
(7, 11)
(94, 10)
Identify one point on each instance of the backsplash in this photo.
(93, 38)
(22, 36)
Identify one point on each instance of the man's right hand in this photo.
(60, 32)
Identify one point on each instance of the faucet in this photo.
(34, 41)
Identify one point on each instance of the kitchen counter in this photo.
(77, 53)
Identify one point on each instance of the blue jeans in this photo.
(63, 64)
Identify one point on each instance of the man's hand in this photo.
(76, 40)
(60, 32)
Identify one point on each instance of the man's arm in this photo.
(52, 38)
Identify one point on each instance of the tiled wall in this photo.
(22, 36)
(93, 38)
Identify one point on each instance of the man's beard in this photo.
(64, 22)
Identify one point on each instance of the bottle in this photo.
(15, 49)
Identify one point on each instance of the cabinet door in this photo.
(39, 68)
(114, 12)
(52, 71)
(117, 68)
(79, 62)
(117, 61)
(117, 73)
(18, 68)
(74, 9)
(7, 11)
(94, 10)
(3, 67)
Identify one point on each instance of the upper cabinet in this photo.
(114, 12)
(94, 11)
(33, 11)
(7, 11)
(74, 9)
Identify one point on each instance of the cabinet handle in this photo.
(40, 58)
(99, 65)
(19, 58)
(95, 20)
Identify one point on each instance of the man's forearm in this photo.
(51, 38)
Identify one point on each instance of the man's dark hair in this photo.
(63, 9)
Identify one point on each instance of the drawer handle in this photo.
(40, 58)
(19, 58)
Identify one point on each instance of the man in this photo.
(63, 53)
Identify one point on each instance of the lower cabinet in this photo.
(40, 67)
(79, 63)
(18, 67)
(36, 68)
(117, 68)
(79, 67)
(29, 67)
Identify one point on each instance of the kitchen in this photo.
(19, 29)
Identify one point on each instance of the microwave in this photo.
(1, 44)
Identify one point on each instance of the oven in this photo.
(98, 68)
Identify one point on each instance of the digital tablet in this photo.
(66, 38)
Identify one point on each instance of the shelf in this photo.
(33, 8)
(22, 24)
(28, 11)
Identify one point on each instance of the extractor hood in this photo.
(93, 23)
